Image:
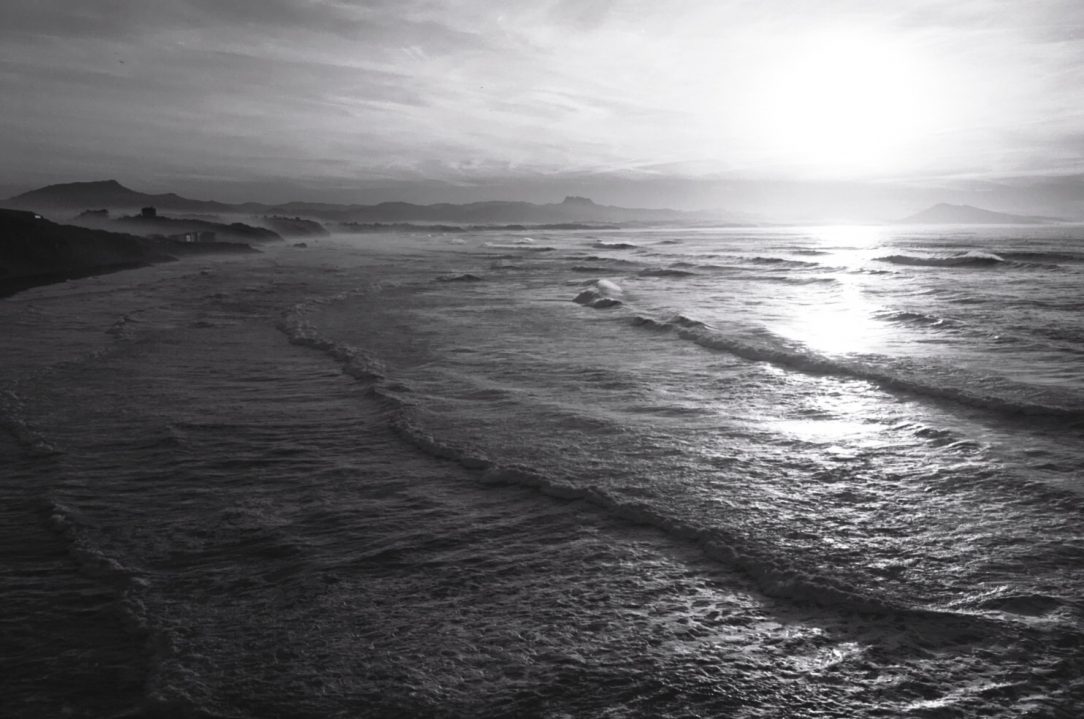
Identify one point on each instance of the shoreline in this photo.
(9, 287)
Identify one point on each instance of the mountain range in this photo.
(72, 198)
(64, 201)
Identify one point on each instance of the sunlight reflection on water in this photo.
(848, 235)
(838, 323)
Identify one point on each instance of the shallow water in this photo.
(750, 473)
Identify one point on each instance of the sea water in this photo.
(810, 472)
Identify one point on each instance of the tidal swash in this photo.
(665, 473)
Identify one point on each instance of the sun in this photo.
(843, 102)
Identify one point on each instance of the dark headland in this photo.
(35, 251)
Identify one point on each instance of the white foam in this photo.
(609, 289)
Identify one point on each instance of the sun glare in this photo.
(841, 102)
(839, 325)
(848, 236)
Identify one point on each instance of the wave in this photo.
(772, 574)
(649, 323)
(1029, 604)
(168, 689)
(769, 567)
(601, 294)
(592, 269)
(665, 272)
(592, 299)
(687, 322)
(13, 422)
(1043, 257)
(1004, 396)
(608, 260)
(122, 328)
(780, 262)
(791, 280)
(609, 288)
(965, 259)
(674, 322)
(772, 571)
(935, 436)
(919, 318)
(518, 247)
(602, 244)
(465, 277)
(356, 363)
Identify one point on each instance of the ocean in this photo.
(770, 472)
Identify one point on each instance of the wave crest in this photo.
(1001, 396)
(665, 272)
(972, 258)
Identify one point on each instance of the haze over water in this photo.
(781, 472)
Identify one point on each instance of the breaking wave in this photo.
(1000, 395)
(665, 272)
(965, 259)
(518, 247)
(13, 422)
(915, 318)
(780, 262)
(600, 294)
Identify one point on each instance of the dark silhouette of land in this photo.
(110, 194)
(71, 199)
(358, 227)
(294, 226)
(178, 227)
(35, 251)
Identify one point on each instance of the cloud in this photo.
(469, 91)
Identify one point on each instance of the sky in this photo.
(844, 109)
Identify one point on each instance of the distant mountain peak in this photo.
(71, 189)
(944, 213)
(109, 194)
(89, 185)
